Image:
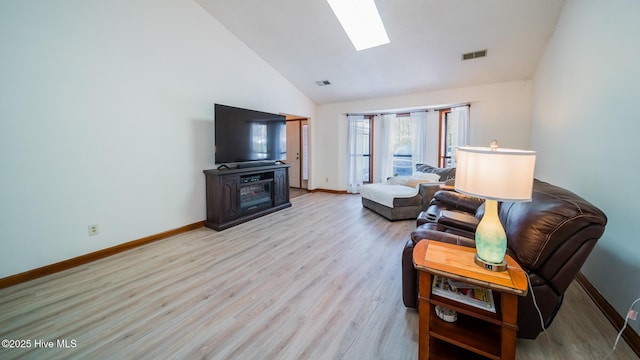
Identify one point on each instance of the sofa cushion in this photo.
(445, 173)
(385, 194)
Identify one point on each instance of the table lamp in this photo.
(495, 175)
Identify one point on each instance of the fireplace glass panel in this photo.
(255, 196)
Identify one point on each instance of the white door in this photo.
(293, 152)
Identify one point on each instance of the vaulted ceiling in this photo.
(303, 40)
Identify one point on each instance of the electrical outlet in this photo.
(93, 229)
(632, 314)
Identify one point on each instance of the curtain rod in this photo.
(409, 111)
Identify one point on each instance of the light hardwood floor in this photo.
(319, 280)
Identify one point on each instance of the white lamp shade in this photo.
(495, 174)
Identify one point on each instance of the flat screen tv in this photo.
(243, 135)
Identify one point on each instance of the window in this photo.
(446, 152)
(360, 145)
(454, 132)
(401, 144)
(404, 143)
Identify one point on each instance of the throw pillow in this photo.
(397, 180)
(415, 181)
(428, 176)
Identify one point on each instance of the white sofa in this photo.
(404, 197)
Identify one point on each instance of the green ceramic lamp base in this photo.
(491, 240)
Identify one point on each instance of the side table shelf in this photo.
(476, 333)
(467, 332)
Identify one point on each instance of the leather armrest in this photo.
(458, 220)
(457, 201)
(429, 231)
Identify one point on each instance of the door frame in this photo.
(304, 184)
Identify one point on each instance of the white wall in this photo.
(498, 111)
(106, 117)
(586, 126)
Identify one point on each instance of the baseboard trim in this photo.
(329, 191)
(629, 335)
(96, 255)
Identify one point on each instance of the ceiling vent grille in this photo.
(474, 55)
(323, 82)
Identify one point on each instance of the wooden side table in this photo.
(477, 333)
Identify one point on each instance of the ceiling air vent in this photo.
(474, 55)
(323, 82)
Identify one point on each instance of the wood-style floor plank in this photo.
(319, 280)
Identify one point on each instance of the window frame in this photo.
(442, 138)
(370, 152)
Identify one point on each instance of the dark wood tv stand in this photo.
(237, 195)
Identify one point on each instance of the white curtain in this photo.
(355, 151)
(460, 128)
(433, 131)
(386, 153)
(419, 150)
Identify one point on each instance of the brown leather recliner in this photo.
(550, 237)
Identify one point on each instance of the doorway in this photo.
(298, 152)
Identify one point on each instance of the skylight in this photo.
(361, 21)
